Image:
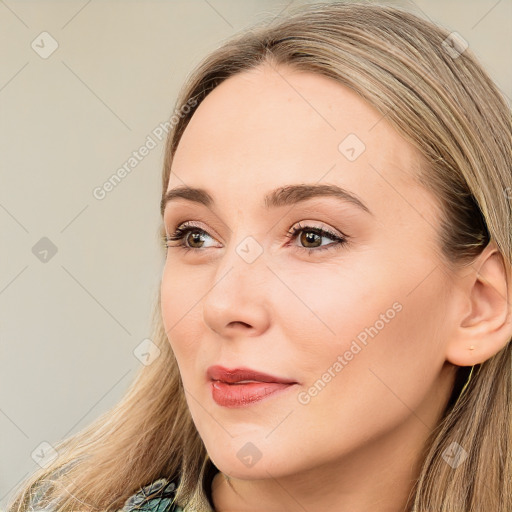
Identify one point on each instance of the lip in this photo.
(229, 390)
(223, 374)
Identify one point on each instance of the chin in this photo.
(246, 460)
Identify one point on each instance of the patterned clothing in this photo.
(161, 502)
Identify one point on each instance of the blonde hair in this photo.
(446, 105)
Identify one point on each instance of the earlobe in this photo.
(484, 326)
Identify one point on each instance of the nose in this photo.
(238, 301)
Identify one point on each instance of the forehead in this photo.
(269, 127)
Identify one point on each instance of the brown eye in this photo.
(189, 238)
(310, 237)
(194, 237)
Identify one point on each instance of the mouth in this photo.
(243, 386)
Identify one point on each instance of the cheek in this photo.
(181, 314)
(331, 305)
(368, 318)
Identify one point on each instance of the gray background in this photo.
(70, 321)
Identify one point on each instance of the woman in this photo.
(334, 325)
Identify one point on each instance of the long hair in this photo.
(436, 95)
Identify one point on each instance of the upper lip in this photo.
(239, 374)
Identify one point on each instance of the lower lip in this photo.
(241, 395)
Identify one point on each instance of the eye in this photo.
(193, 238)
(188, 236)
(311, 237)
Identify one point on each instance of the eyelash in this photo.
(185, 229)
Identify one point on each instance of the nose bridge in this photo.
(243, 262)
(244, 250)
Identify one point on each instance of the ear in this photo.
(483, 310)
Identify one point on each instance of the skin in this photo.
(357, 445)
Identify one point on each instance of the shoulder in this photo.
(155, 497)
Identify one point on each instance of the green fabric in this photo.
(161, 502)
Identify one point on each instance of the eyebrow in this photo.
(282, 196)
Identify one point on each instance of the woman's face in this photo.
(358, 327)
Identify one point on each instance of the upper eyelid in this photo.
(190, 225)
(297, 226)
(183, 211)
(169, 215)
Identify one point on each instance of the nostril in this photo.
(243, 324)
